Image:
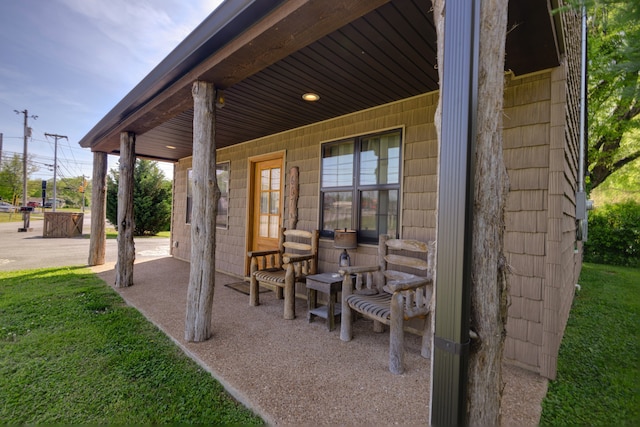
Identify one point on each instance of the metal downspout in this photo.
(459, 92)
(582, 204)
(583, 99)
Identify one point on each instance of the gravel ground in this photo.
(289, 372)
(292, 372)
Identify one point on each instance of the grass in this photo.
(72, 352)
(113, 234)
(14, 217)
(598, 380)
(38, 216)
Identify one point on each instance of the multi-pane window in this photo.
(222, 175)
(360, 185)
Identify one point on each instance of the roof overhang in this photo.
(265, 54)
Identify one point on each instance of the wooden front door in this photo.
(266, 213)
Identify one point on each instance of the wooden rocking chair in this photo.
(280, 269)
(390, 296)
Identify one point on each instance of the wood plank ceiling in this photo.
(387, 55)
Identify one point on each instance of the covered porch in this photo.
(298, 373)
(232, 93)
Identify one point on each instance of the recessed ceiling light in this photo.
(171, 147)
(310, 96)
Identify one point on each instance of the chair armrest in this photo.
(251, 254)
(358, 269)
(407, 284)
(291, 258)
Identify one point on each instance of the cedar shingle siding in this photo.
(541, 155)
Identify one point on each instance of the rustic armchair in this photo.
(280, 269)
(399, 288)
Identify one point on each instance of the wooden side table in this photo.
(330, 284)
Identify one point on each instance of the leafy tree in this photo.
(34, 188)
(71, 190)
(11, 172)
(151, 198)
(614, 235)
(622, 185)
(613, 86)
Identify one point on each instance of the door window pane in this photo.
(274, 203)
(265, 180)
(264, 226)
(264, 202)
(273, 226)
(275, 179)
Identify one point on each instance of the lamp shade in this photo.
(345, 239)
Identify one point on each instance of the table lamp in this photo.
(345, 239)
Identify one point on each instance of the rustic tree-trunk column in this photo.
(489, 283)
(98, 238)
(126, 248)
(203, 215)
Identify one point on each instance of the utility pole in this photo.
(0, 149)
(27, 134)
(55, 168)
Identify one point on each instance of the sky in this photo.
(69, 62)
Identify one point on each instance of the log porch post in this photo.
(98, 238)
(203, 218)
(126, 248)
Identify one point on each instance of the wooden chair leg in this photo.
(396, 335)
(254, 294)
(289, 294)
(425, 351)
(378, 327)
(346, 317)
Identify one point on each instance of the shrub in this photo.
(151, 199)
(614, 235)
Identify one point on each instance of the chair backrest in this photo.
(301, 242)
(404, 256)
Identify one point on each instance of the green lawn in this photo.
(14, 217)
(38, 216)
(72, 352)
(598, 381)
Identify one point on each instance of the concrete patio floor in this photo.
(292, 372)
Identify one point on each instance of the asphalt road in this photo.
(27, 250)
